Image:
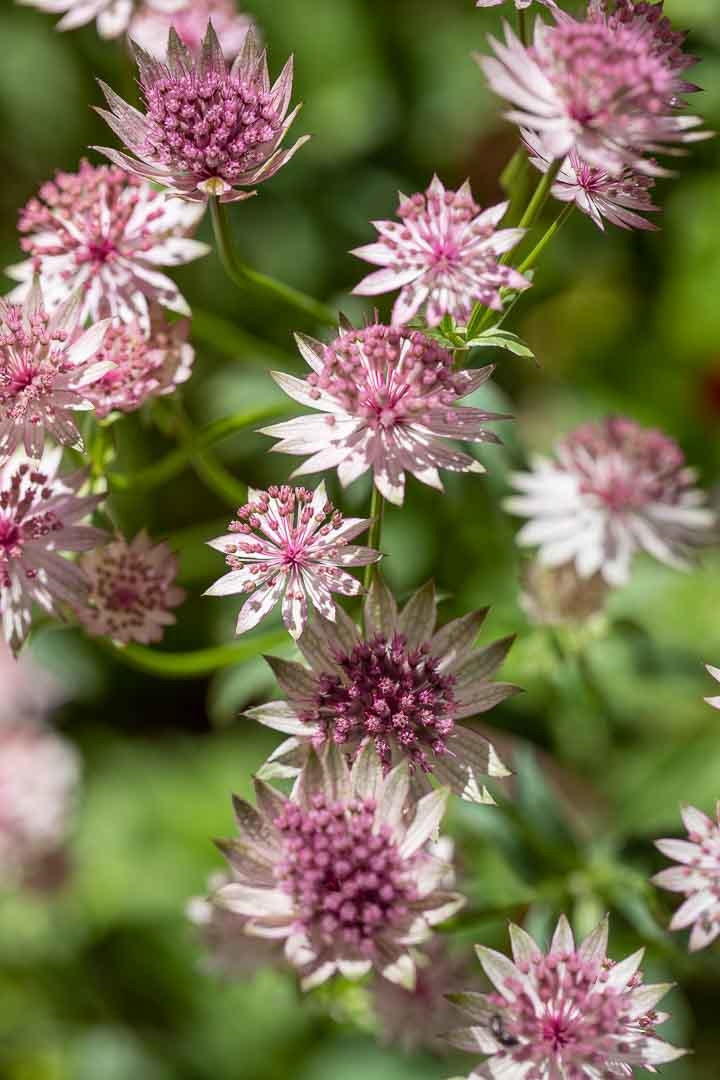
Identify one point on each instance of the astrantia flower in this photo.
(697, 876)
(614, 488)
(131, 590)
(387, 398)
(145, 366)
(112, 16)
(519, 4)
(443, 256)
(603, 91)
(28, 691)
(342, 870)
(206, 130)
(150, 26)
(621, 199)
(39, 772)
(291, 544)
(715, 672)
(402, 688)
(230, 950)
(108, 233)
(558, 596)
(40, 517)
(46, 363)
(568, 1014)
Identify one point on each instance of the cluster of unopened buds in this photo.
(342, 870)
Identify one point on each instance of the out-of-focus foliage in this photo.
(105, 982)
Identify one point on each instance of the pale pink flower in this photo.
(46, 364)
(150, 26)
(614, 488)
(131, 590)
(697, 876)
(342, 871)
(39, 773)
(291, 544)
(404, 688)
(206, 131)
(145, 366)
(568, 1014)
(112, 16)
(603, 91)
(715, 672)
(621, 199)
(519, 4)
(558, 596)
(387, 398)
(230, 949)
(444, 256)
(107, 233)
(28, 692)
(40, 517)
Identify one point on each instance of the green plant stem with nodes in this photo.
(155, 475)
(242, 275)
(377, 509)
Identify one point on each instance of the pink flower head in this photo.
(40, 517)
(342, 871)
(570, 1013)
(145, 366)
(620, 199)
(614, 488)
(107, 233)
(697, 876)
(403, 688)
(602, 90)
(206, 131)
(443, 255)
(131, 590)
(39, 773)
(46, 364)
(28, 691)
(519, 4)
(715, 672)
(231, 950)
(112, 16)
(387, 398)
(290, 543)
(150, 26)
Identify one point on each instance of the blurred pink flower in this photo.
(46, 364)
(697, 876)
(112, 16)
(715, 672)
(150, 26)
(614, 488)
(519, 4)
(621, 199)
(568, 1013)
(402, 688)
(387, 398)
(207, 131)
(28, 691)
(443, 256)
(40, 517)
(107, 233)
(131, 590)
(290, 543)
(145, 366)
(599, 88)
(39, 773)
(341, 871)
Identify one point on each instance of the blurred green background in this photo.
(104, 981)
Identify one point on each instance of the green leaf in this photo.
(501, 339)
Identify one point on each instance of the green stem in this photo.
(198, 664)
(523, 28)
(377, 508)
(529, 262)
(243, 275)
(211, 471)
(540, 196)
(170, 466)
